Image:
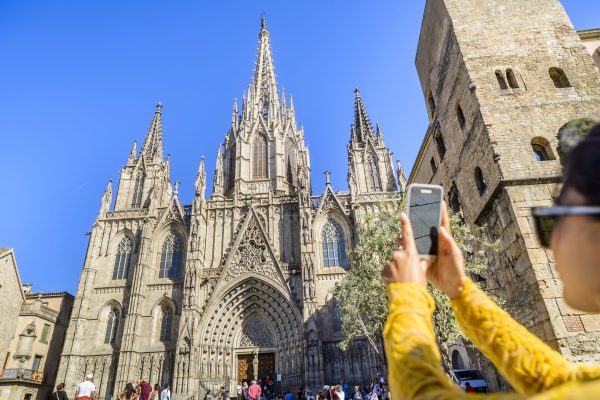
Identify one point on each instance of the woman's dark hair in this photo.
(60, 386)
(582, 169)
(156, 386)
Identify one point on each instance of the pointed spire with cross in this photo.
(153, 145)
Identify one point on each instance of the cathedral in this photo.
(236, 286)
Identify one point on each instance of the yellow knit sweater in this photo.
(532, 368)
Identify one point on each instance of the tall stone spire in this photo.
(262, 94)
(362, 123)
(201, 179)
(153, 145)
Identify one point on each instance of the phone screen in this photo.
(424, 214)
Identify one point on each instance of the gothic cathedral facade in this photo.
(236, 286)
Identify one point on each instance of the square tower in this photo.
(500, 78)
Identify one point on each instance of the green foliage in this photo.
(361, 294)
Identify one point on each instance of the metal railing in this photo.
(21, 374)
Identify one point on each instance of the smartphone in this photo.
(424, 209)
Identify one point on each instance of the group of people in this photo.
(142, 390)
(571, 229)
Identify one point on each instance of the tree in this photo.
(361, 295)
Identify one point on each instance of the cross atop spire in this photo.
(153, 146)
(362, 123)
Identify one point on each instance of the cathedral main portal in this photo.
(249, 364)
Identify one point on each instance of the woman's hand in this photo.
(405, 265)
(447, 273)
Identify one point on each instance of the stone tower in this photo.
(499, 80)
(235, 286)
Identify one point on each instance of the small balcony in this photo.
(22, 375)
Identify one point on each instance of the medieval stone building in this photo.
(235, 286)
(499, 80)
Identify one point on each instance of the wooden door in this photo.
(245, 368)
(266, 366)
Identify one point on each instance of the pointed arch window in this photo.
(291, 162)
(112, 325)
(259, 157)
(373, 175)
(138, 189)
(171, 258)
(231, 168)
(334, 245)
(166, 323)
(123, 258)
(336, 316)
(541, 149)
(559, 78)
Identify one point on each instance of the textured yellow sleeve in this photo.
(524, 360)
(414, 370)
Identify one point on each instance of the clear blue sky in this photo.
(80, 80)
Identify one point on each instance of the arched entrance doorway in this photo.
(253, 329)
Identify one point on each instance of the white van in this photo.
(473, 376)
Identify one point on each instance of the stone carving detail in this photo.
(252, 255)
(256, 333)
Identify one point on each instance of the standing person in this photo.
(60, 393)
(155, 393)
(469, 388)
(208, 395)
(86, 390)
(128, 394)
(571, 230)
(288, 396)
(245, 390)
(145, 389)
(345, 389)
(254, 391)
(357, 393)
(166, 393)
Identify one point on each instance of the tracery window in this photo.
(166, 324)
(334, 245)
(291, 162)
(171, 259)
(260, 157)
(112, 325)
(336, 316)
(373, 175)
(123, 258)
(231, 168)
(138, 190)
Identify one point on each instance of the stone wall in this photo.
(11, 298)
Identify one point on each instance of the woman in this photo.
(155, 393)
(129, 393)
(571, 230)
(60, 393)
(357, 393)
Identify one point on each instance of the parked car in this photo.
(473, 376)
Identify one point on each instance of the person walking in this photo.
(60, 393)
(254, 391)
(245, 390)
(86, 390)
(155, 392)
(166, 393)
(357, 393)
(571, 230)
(144, 389)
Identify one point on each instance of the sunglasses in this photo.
(545, 219)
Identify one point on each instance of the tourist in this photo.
(357, 393)
(60, 393)
(144, 389)
(254, 391)
(166, 393)
(469, 388)
(310, 395)
(155, 393)
(340, 392)
(245, 390)
(128, 394)
(571, 230)
(300, 394)
(288, 396)
(208, 395)
(86, 390)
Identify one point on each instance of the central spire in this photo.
(153, 146)
(262, 95)
(362, 123)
